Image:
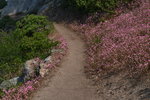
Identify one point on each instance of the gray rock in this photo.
(56, 50)
(22, 6)
(44, 66)
(31, 68)
(44, 69)
(9, 83)
(29, 6)
(48, 59)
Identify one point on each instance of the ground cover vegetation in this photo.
(91, 6)
(122, 42)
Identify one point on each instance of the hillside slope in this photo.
(118, 53)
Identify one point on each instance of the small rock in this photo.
(48, 59)
(21, 6)
(56, 50)
(9, 83)
(31, 68)
(43, 69)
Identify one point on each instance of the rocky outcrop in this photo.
(49, 5)
(32, 68)
(28, 6)
(22, 6)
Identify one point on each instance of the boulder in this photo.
(21, 6)
(29, 6)
(12, 82)
(45, 66)
(48, 59)
(31, 68)
(43, 69)
(9, 83)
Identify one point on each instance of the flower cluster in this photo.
(63, 44)
(121, 42)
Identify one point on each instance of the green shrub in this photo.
(36, 46)
(3, 3)
(32, 33)
(31, 24)
(89, 6)
(27, 41)
(10, 58)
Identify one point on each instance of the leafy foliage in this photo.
(88, 6)
(33, 24)
(33, 46)
(10, 60)
(28, 40)
(32, 33)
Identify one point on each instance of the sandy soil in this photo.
(69, 82)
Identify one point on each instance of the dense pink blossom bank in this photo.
(121, 42)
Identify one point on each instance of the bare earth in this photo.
(69, 82)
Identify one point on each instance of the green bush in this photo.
(89, 6)
(32, 33)
(36, 46)
(27, 41)
(31, 24)
(10, 58)
(3, 3)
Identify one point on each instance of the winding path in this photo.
(69, 82)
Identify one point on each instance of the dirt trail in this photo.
(69, 82)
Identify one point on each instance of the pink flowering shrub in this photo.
(121, 42)
(23, 92)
